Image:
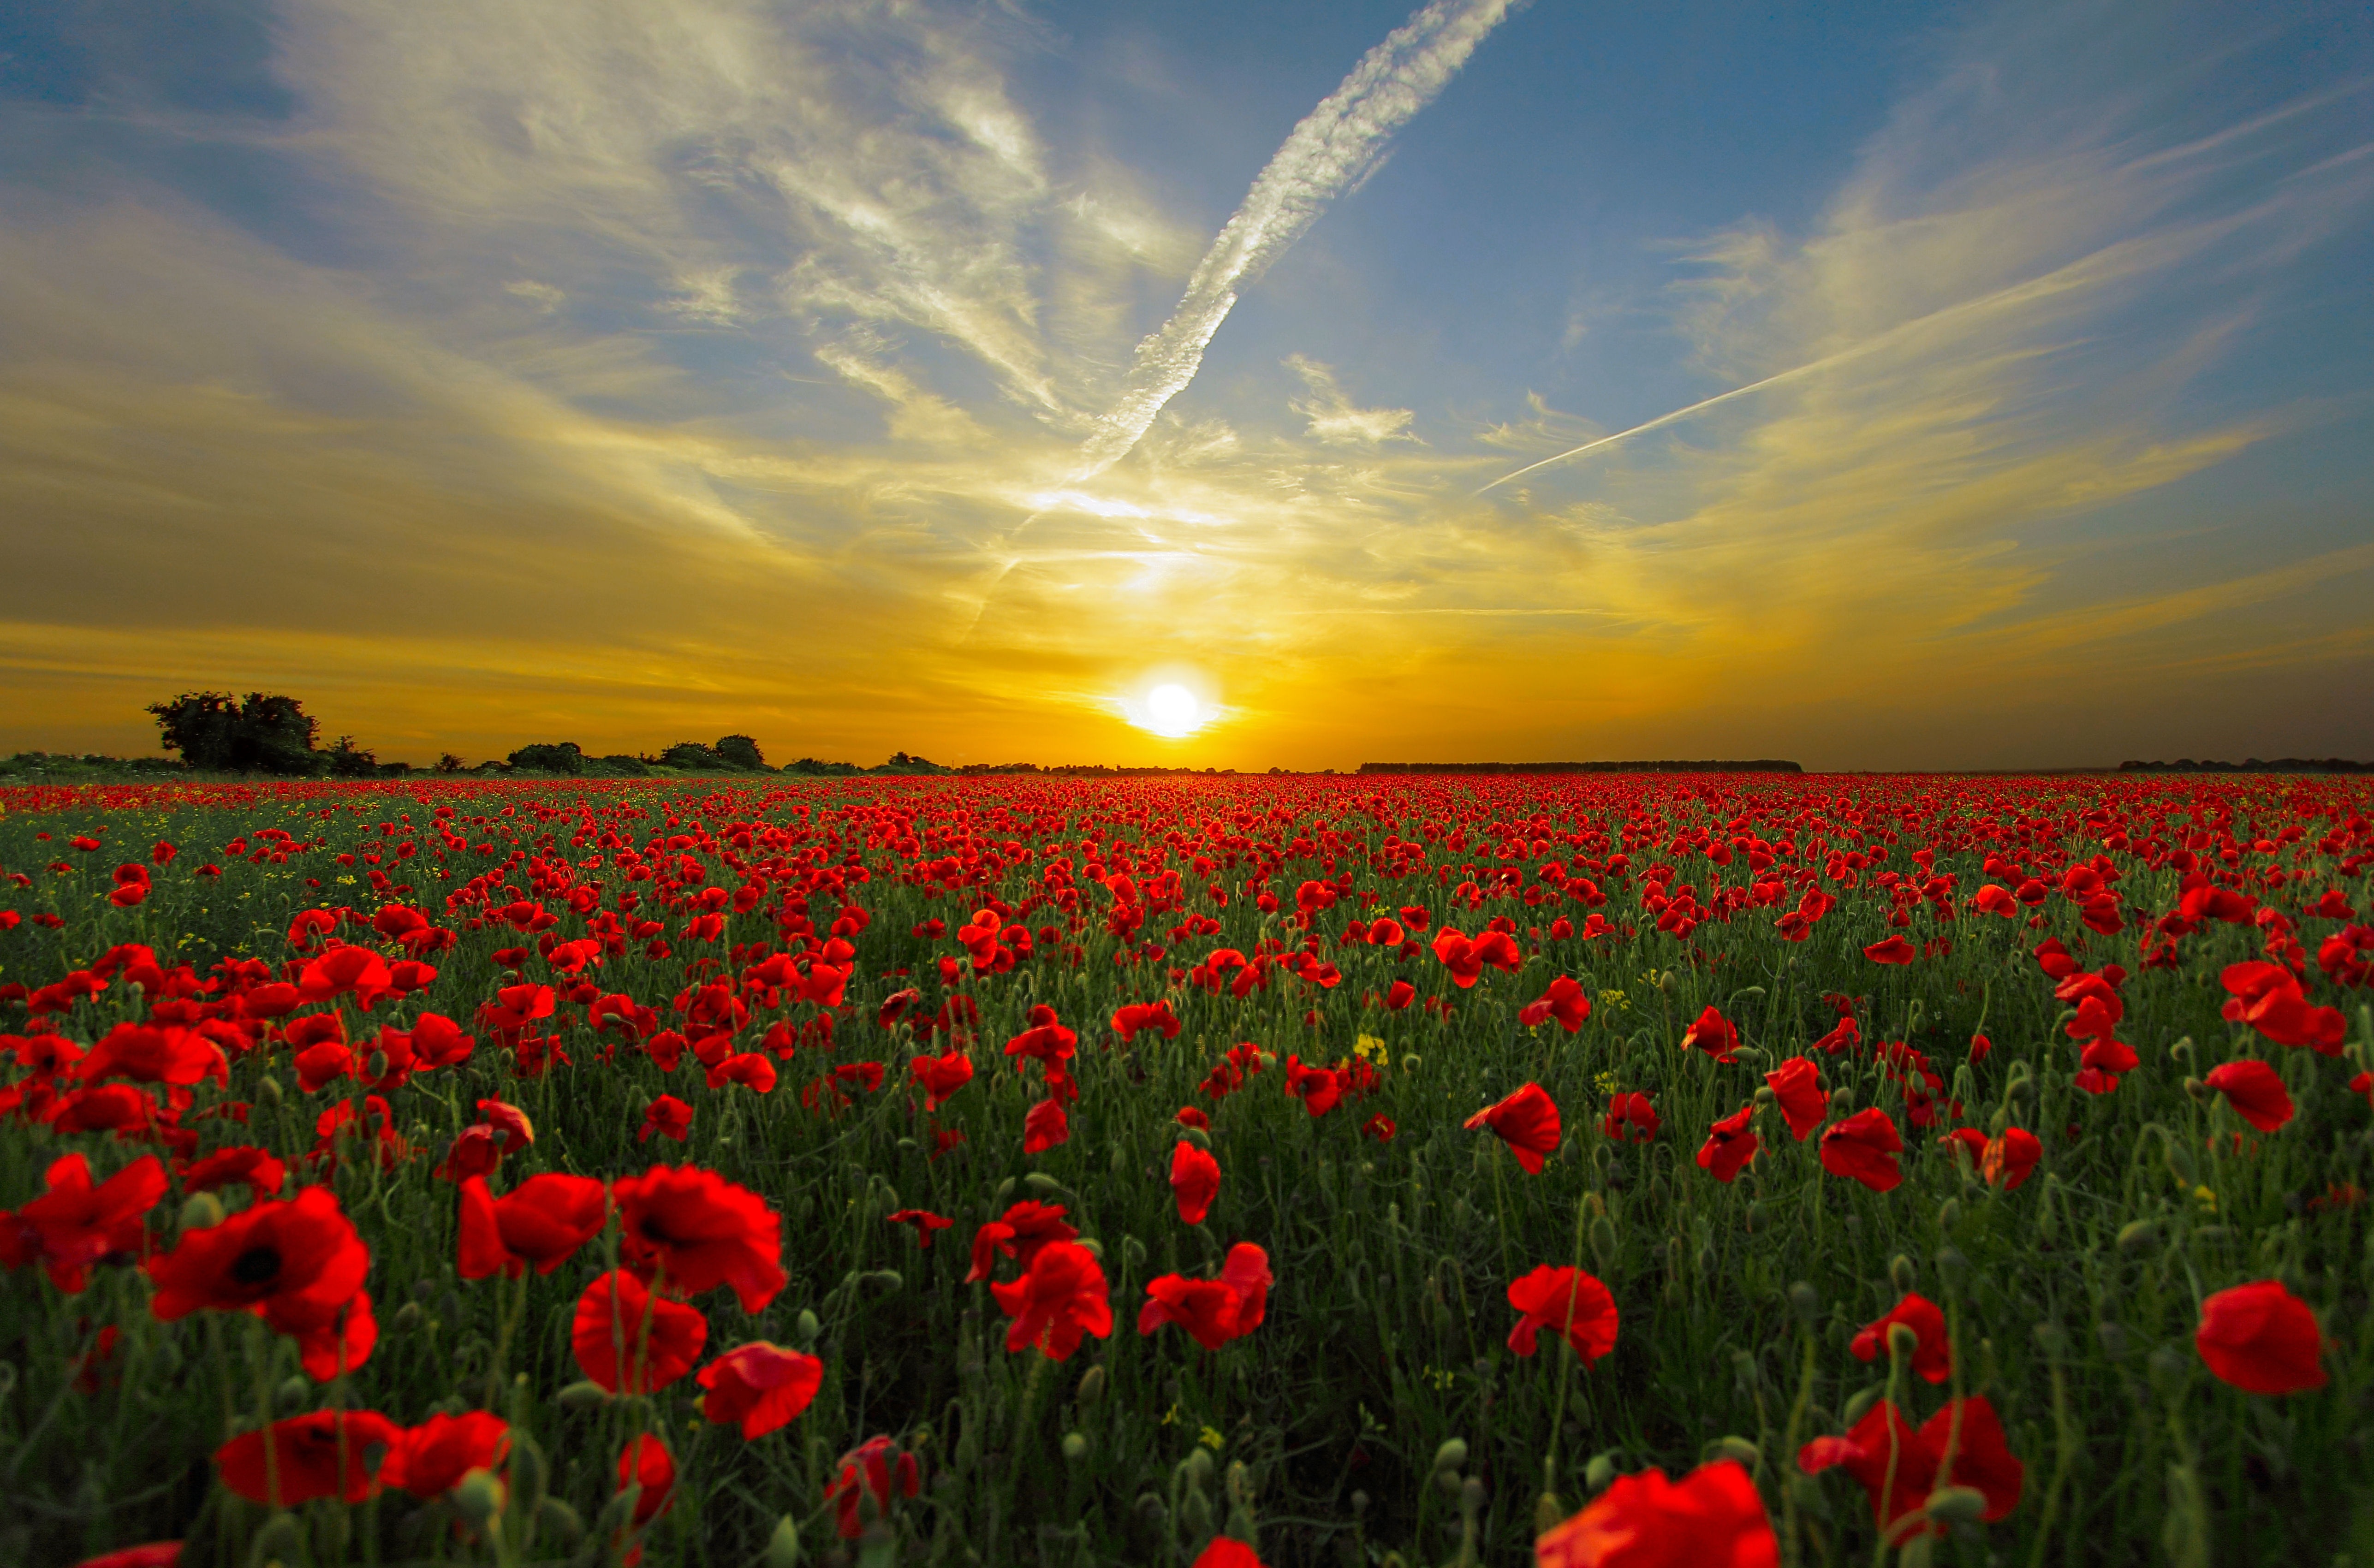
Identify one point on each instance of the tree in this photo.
(349, 760)
(447, 762)
(563, 757)
(692, 757)
(740, 751)
(263, 734)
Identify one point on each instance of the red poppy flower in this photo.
(2262, 1339)
(437, 1041)
(1527, 1122)
(1127, 1021)
(703, 1230)
(1713, 1033)
(2010, 1157)
(1883, 1446)
(257, 1168)
(74, 1223)
(1895, 950)
(1564, 1001)
(619, 1350)
(343, 969)
(1319, 1088)
(1796, 1084)
(875, 1468)
(301, 1258)
(431, 1460)
(1045, 1127)
(1863, 1148)
(1378, 1127)
(646, 1463)
(1631, 1118)
(668, 1116)
(1400, 994)
(1730, 1144)
(1932, 1357)
(322, 1065)
(311, 1454)
(542, 1222)
(156, 1555)
(924, 1222)
(1227, 1551)
(1212, 1311)
(1567, 1302)
(1713, 1517)
(1061, 1297)
(941, 1076)
(1195, 1181)
(759, 1387)
(149, 1053)
(1018, 1233)
(2255, 1091)
(110, 1107)
(2268, 998)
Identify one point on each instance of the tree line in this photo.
(216, 732)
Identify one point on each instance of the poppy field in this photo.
(1613, 1169)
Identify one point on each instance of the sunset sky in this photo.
(945, 377)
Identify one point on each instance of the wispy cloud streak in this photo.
(1333, 148)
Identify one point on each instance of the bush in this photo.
(740, 751)
(347, 760)
(561, 757)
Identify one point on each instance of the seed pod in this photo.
(1092, 1387)
(583, 1396)
(1957, 1504)
(807, 1328)
(783, 1546)
(201, 1211)
(1075, 1448)
(267, 1089)
(478, 1497)
(1452, 1456)
(1600, 1472)
(1805, 1302)
(1900, 1272)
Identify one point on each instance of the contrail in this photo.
(1336, 146)
(2080, 274)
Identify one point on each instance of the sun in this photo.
(1172, 709)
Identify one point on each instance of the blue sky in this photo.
(509, 372)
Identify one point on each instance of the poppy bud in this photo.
(1806, 1301)
(1452, 1456)
(201, 1211)
(887, 1280)
(1604, 1244)
(1470, 1496)
(2182, 1050)
(1860, 1406)
(2050, 1337)
(2138, 1236)
(407, 1318)
(478, 1498)
(1900, 1272)
(2113, 1339)
(1842, 1099)
(1004, 1190)
(268, 1090)
(807, 1327)
(294, 1395)
(1952, 1265)
(1197, 1469)
(783, 1546)
(561, 1518)
(375, 1065)
(1949, 1213)
(2202, 1092)
(1196, 1135)
(1548, 1512)
(1092, 1387)
(1902, 1340)
(1075, 1448)
(584, 1395)
(1957, 1504)
(1765, 1096)
(1044, 1186)
(1600, 1472)
(1737, 1448)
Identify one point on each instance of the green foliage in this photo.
(563, 757)
(216, 733)
(691, 757)
(739, 751)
